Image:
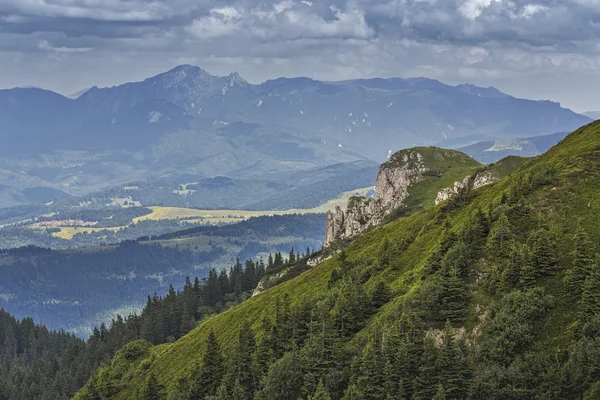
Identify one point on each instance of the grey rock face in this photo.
(391, 189)
(480, 180)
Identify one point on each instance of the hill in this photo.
(492, 151)
(187, 125)
(492, 294)
(76, 289)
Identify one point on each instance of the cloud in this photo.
(285, 20)
(509, 43)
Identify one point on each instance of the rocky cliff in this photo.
(410, 179)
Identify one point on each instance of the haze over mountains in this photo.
(186, 125)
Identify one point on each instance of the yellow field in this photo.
(206, 217)
(67, 232)
(203, 216)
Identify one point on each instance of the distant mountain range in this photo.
(491, 151)
(187, 122)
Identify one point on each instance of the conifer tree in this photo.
(318, 350)
(154, 389)
(543, 256)
(381, 295)
(454, 301)
(264, 348)
(511, 274)
(427, 378)
(582, 261)
(500, 237)
(353, 393)
(321, 393)
(371, 379)
(206, 379)
(242, 362)
(527, 272)
(440, 393)
(590, 298)
(451, 367)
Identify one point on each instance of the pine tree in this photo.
(590, 298)
(242, 362)
(511, 274)
(154, 389)
(381, 295)
(284, 380)
(527, 272)
(264, 348)
(427, 378)
(440, 393)
(292, 256)
(187, 322)
(270, 264)
(371, 379)
(454, 302)
(352, 393)
(543, 256)
(318, 349)
(582, 261)
(451, 367)
(206, 379)
(500, 238)
(321, 393)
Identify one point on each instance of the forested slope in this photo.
(493, 294)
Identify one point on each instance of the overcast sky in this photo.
(546, 49)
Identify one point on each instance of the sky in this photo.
(544, 49)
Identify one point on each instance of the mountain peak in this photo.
(182, 73)
(479, 91)
(235, 79)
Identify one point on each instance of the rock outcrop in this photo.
(469, 182)
(391, 189)
(403, 170)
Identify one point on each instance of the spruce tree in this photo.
(371, 379)
(264, 348)
(590, 298)
(426, 381)
(451, 367)
(527, 272)
(242, 362)
(381, 295)
(454, 302)
(353, 393)
(207, 378)
(544, 253)
(500, 237)
(582, 260)
(440, 393)
(321, 393)
(154, 389)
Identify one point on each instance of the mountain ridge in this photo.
(446, 265)
(201, 123)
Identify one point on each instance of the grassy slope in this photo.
(561, 206)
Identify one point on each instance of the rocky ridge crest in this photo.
(395, 177)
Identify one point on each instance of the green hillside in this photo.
(493, 294)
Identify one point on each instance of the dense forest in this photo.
(40, 364)
(493, 294)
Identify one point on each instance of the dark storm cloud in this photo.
(512, 43)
